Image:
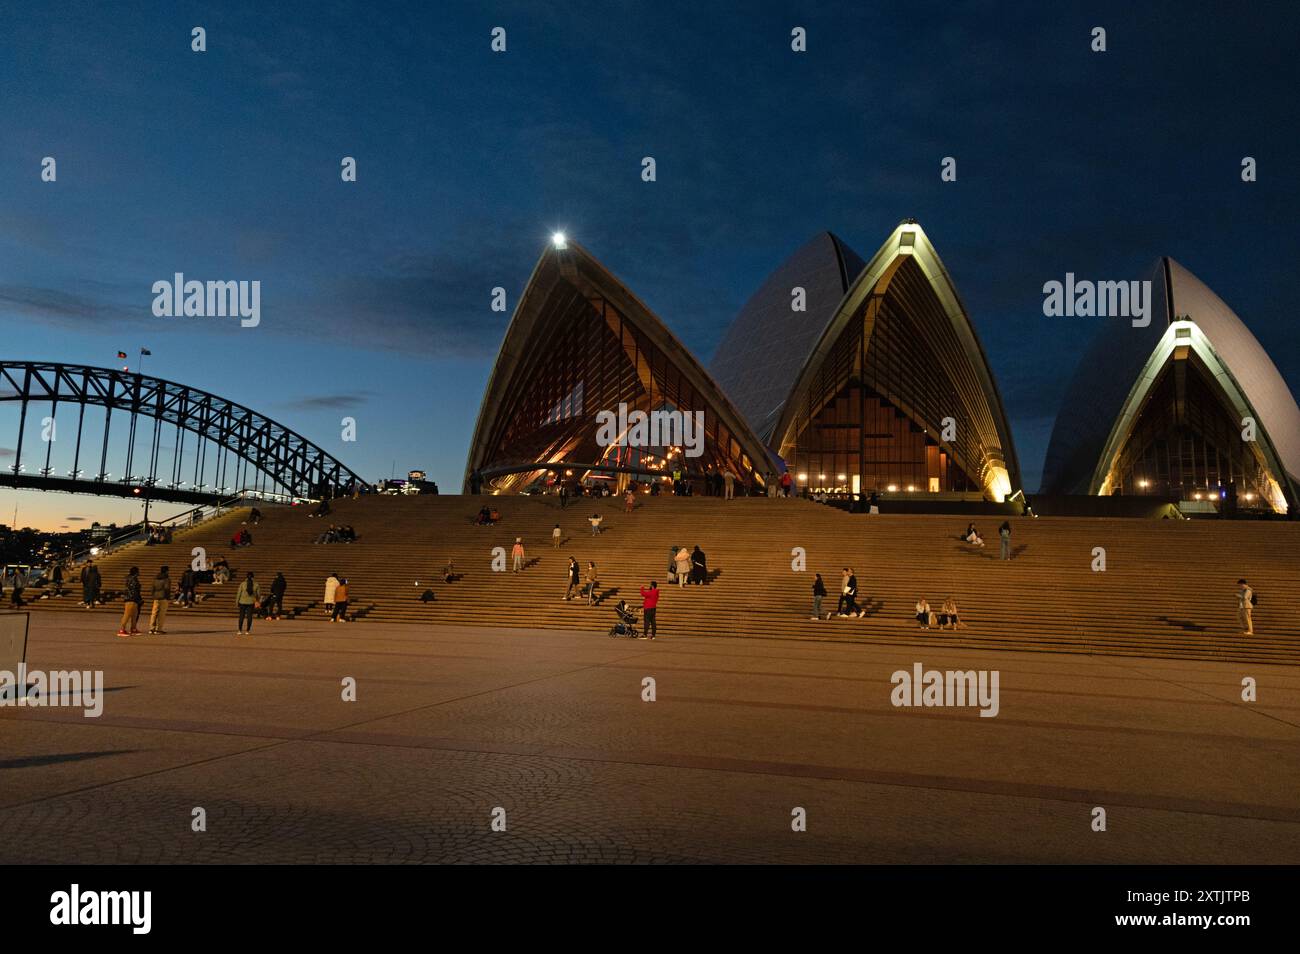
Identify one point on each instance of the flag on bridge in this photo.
(145, 351)
(121, 354)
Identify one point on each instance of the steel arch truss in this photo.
(288, 460)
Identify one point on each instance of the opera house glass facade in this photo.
(894, 394)
(859, 376)
(1190, 407)
(581, 345)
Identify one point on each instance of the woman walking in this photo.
(592, 580)
(818, 590)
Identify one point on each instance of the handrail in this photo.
(186, 518)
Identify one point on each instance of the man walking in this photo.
(649, 603)
(729, 485)
(130, 604)
(1245, 606)
(555, 537)
(162, 594)
(1004, 532)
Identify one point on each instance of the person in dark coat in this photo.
(90, 584)
(275, 605)
(699, 567)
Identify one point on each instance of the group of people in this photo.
(782, 486)
(687, 566)
(973, 537)
(336, 598)
(158, 535)
(946, 618)
(580, 581)
(241, 538)
(487, 516)
(343, 534)
(847, 606)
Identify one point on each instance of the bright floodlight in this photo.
(559, 241)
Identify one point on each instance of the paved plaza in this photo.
(450, 724)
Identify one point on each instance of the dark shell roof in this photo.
(767, 344)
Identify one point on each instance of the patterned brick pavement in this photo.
(451, 723)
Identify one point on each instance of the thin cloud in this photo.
(329, 402)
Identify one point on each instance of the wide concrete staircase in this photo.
(1168, 588)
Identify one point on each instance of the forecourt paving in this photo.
(450, 723)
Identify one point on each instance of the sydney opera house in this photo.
(867, 376)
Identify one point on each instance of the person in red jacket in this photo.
(649, 602)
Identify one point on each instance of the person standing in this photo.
(20, 584)
(85, 583)
(555, 537)
(683, 561)
(340, 602)
(247, 598)
(90, 584)
(595, 520)
(161, 594)
(1245, 607)
(131, 604)
(564, 495)
(818, 591)
(593, 580)
(629, 501)
(649, 603)
(517, 554)
(729, 485)
(276, 604)
(58, 579)
(699, 567)
(575, 579)
(331, 587)
(1004, 532)
(187, 587)
(787, 482)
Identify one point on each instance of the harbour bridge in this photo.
(115, 432)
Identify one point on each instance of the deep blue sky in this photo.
(375, 294)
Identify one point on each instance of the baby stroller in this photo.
(626, 626)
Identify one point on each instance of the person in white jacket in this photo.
(331, 584)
